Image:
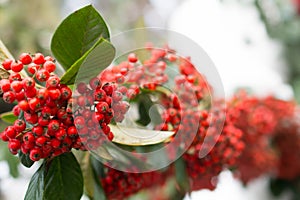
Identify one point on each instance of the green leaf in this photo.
(98, 171)
(92, 62)
(63, 180)
(278, 186)
(36, 185)
(12, 161)
(4, 53)
(181, 176)
(90, 185)
(120, 136)
(77, 34)
(25, 160)
(96, 61)
(8, 117)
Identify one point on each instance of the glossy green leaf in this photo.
(102, 54)
(96, 61)
(8, 117)
(36, 185)
(25, 160)
(87, 172)
(77, 34)
(98, 172)
(181, 176)
(63, 180)
(12, 161)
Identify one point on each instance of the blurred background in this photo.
(255, 44)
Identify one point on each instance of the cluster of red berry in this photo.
(223, 149)
(131, 183)
(183, 115)
(44, 127)
(259, 120)
(287, 142)
(95, 105)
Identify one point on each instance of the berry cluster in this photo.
(286, 142)
(131, 183)
(94, 106)
(259, 119)
(44, 127)
(226, 147)
(182, 114)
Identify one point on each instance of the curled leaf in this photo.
(139, 137)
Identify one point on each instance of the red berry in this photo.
(5, 85)
(19, 125)
(95, 83)
(41, 141)
(28, 83)
(16, 110)
(49, 58)
(16, 86)
(30, 93)
(46, 149)
(42, 75)
(23, 105)
(28, 138)
(49, 66)
(110, 136)
(52, 82)
(67, 142)
(66, 93)
(23, 149)
(61, 134)
(97, 118)
(27, 146)
(102, 107)
(72, 132)
(55, 143)
(15, 77)
(54, 93)
(43, 121)
(38, 130)
(79, 122)
(14, 145)
(61, 114)
(9, 97)
(31, 118)
(10, 132)
(100, 95)
(6, 64)
(53, 125)
(81, 88)
(32, 68)
(25, 58)
(34, 104)
(172, 57)
(42, 94)
(108, 89)
(3, 137)
(132, 57)
(46, 112)
(117, 96)
(35, 154)
(20, 96)
(16, 66)
(38, 59)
